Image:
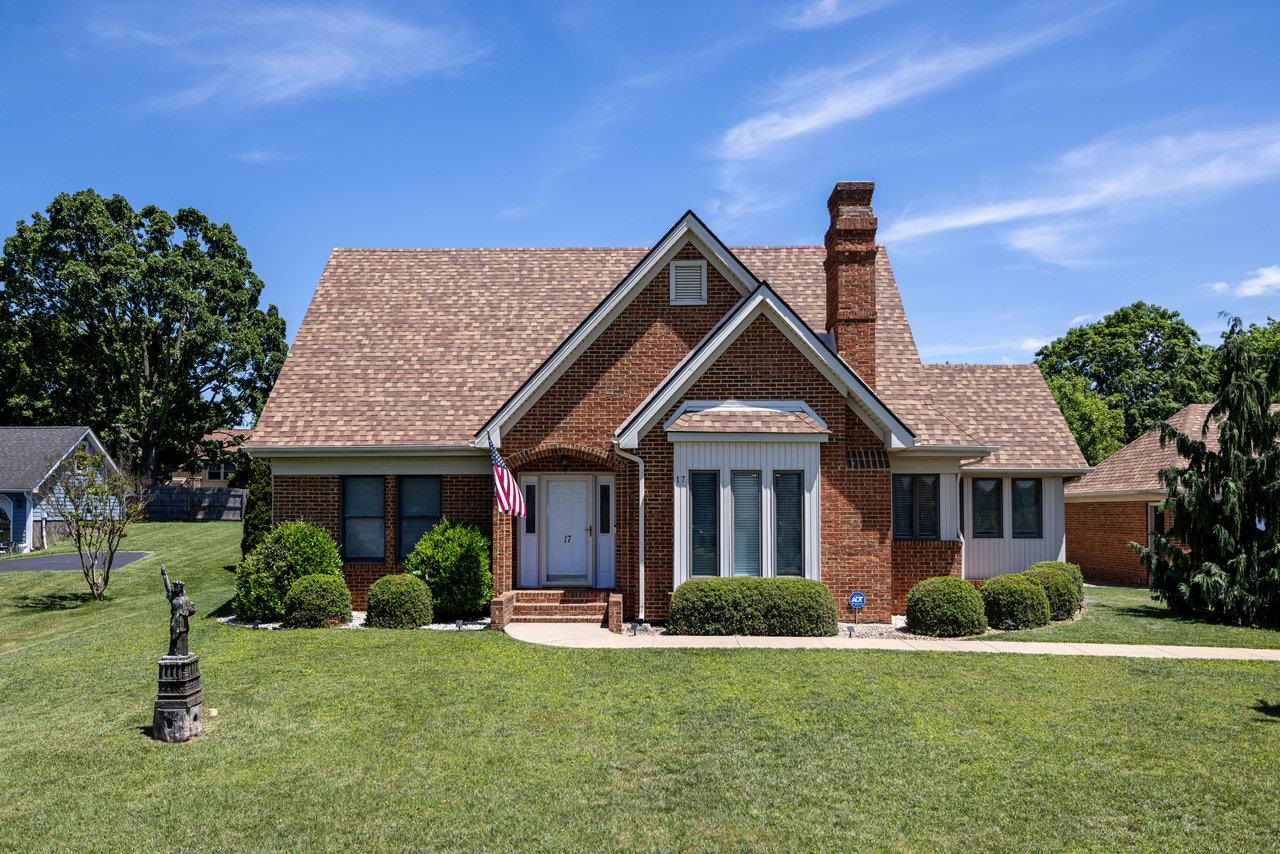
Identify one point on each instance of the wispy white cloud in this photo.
(261, 157)
(1030, 345)
(1079, 319)
(1113, 176)
(826, 97)
(255, 55)
(1261, 282)
(816, 14)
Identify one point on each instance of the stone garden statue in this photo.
(181, 609)
(180, 695)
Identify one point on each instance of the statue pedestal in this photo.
(178, 701)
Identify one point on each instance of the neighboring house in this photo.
(673, 412)
(1115, 504)
(204, 470)
(28, 456)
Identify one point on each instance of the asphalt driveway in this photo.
(61, 562)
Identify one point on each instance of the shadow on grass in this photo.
(223, 610)
(1270, 710)
(54, 601)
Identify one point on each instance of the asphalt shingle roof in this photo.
(28, 453)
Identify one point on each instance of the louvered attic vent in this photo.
(688, 282)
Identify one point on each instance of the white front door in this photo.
(568, 532)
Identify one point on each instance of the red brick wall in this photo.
(318, 498)
(1098, 537)
(916, 560)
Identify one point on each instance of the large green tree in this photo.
(1144, 359)
(1221, 555)
(1097, 425)
(142, 324)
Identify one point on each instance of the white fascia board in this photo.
(764, 301)
(689, 229)
(965, 451)
(763, 438)
(297, 451)
(970, 471)
(1148, 495)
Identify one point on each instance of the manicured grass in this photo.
(1128, 615)
(375, 740)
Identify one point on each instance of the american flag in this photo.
(505, 489)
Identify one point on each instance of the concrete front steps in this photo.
(571, 605)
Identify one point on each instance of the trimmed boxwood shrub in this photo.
(453, 560)
(1073, 572)
(398, 601)
(945, 607)
(783, 607)
(1015, 602)
(1058, 588)
(289, 552)
(317, 601)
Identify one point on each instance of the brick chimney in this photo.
(851, 276)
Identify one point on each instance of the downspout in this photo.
(626, 455)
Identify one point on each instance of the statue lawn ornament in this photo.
(180, 695)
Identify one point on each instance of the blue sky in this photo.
(1037, 164)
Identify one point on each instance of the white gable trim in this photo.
(763, 302)
(689, 229)
(739, 406)
(99, 449)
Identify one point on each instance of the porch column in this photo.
(503, 535)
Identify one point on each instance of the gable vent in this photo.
(688, 282)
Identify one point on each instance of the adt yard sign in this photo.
(857, 599)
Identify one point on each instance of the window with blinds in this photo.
(744, 487)
(688, 282)
(363, 519)
(418, 508)
(788, 508)
(704, 515)
(916, 508)
(1028, 508)
(988, 508)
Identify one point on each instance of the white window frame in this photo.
(767, 457)
(701, 264)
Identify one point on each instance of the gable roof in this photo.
(28, 454)
(1135, 468)
(417, 348)
(764, 302)
(731, 416)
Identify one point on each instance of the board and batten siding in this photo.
(989, 557)
(766, 458)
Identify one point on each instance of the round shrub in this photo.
(1073, 572)
(317, 601)
(398, 601)
(1015, 602)
(287, 553)
(945, 607)
(454, 562)
(782, 607)
(1058, 588)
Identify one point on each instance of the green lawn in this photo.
(1128, 615)
(378, 740)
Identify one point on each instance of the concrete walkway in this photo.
(591, 636)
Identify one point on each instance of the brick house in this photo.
(675, 411)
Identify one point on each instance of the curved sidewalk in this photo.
(592, 636)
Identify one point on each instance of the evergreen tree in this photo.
(1221, 556)
(257, 509)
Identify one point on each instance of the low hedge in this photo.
(317, 601)
(945, 607)
(1058, 588)
(783, 607)
(1073, 572)
(1015, 602)
(398, 601)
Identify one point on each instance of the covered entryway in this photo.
(567, 536)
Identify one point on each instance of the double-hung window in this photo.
(788, 525)
(418, 509)
(363, 519)
(988, 508)
(915, 507)
(704, 517)
(1028, 508)
(745, 488)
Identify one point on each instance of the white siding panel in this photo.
(986, 558)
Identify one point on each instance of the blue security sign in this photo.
(857, 599)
